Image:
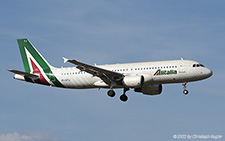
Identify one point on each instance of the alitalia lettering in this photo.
(165, 72)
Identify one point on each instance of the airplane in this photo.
(143, 77)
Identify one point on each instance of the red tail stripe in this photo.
(36, 70)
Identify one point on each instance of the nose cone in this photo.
(208, 73)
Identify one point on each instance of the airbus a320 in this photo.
(143, 77)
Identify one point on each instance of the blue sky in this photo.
(106, 32)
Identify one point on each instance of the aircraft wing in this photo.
(106, 75)
(29, 75)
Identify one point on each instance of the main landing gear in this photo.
(184, 86)
(111, 93)
(123, 97)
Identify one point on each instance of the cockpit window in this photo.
(198, 65)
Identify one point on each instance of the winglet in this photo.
(65, 60)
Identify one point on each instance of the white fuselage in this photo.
(143, 77)
(160, 72)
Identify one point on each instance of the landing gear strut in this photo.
(124, 97)
(184, 86)
(111, 93)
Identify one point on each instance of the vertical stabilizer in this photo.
(29, 53)
(35, 63)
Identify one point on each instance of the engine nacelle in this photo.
(150, 89)
(133, 81)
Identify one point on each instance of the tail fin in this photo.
(35, 63)
(31, 57)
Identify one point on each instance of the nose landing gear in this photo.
(184, 86)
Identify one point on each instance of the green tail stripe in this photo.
(23, 54)
(24, 43)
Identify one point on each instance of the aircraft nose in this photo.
(208, 72)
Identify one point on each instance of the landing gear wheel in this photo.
(111, 93)
(185, 91)
(123, 98)
(185, 86)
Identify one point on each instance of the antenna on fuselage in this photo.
(181, 58)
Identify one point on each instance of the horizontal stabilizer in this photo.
(29, 75)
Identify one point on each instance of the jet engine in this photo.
(133, 81)
(150, 89)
